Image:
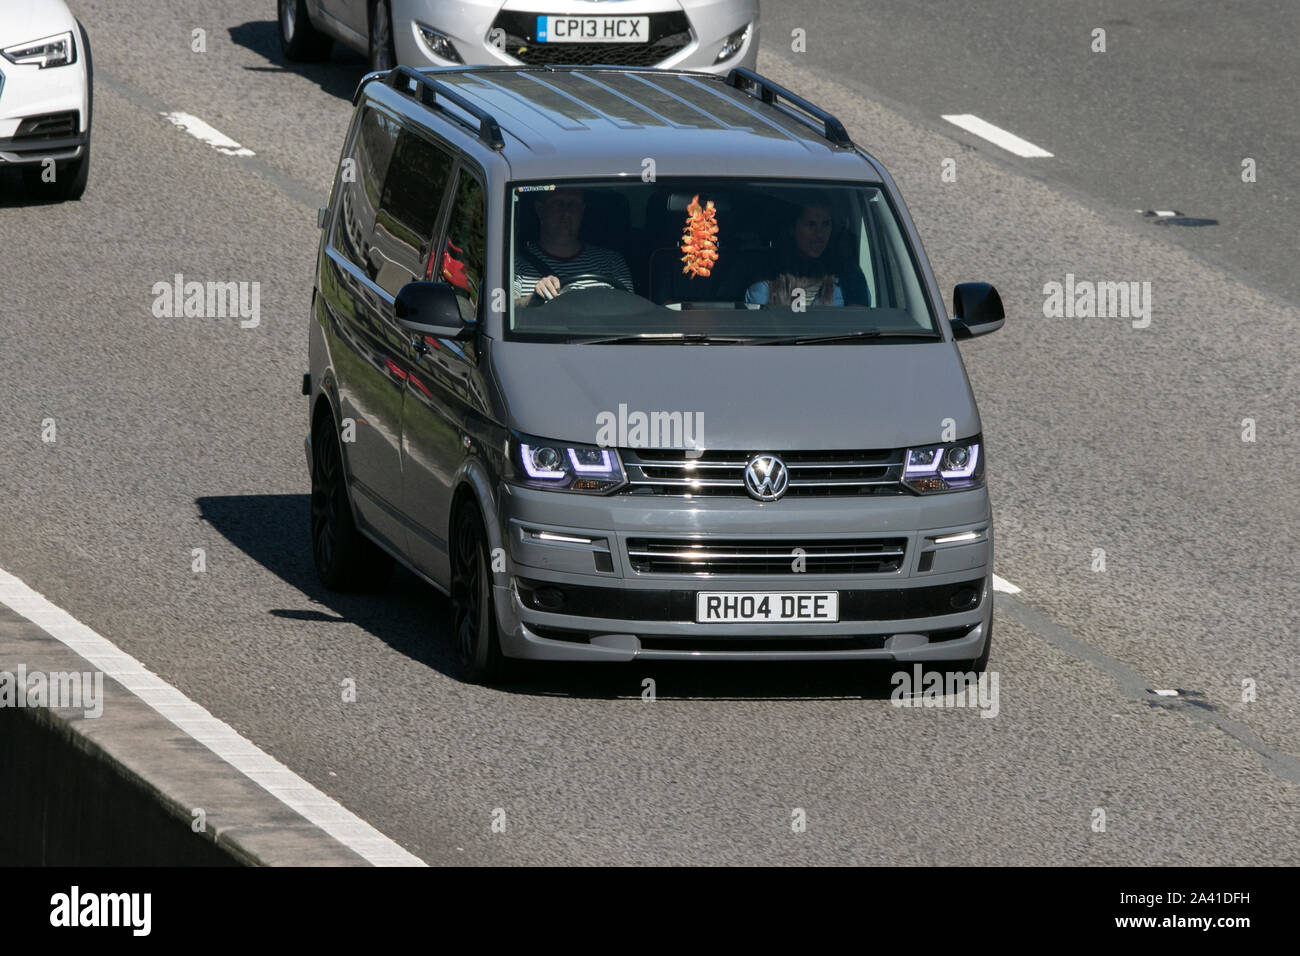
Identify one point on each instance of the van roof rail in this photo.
(428, 89)
(760, 87)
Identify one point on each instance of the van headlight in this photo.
(956, 466)
(57, 50)
(564, 466)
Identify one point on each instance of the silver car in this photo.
(709, 35)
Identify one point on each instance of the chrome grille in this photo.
(722, 473)
(597, 54)
(747, 556)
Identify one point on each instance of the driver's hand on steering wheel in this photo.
(548, 287)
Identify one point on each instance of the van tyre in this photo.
(474, 621)
(346, 560)
(382, 54)
(299, 40)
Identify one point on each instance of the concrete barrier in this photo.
(121, 785)
(64, 801)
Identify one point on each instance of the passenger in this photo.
(808, 262)
(562, 254)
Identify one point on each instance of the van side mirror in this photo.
(431, 308)
(976, 309)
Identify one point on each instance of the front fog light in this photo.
(438, 44)
(733, 44)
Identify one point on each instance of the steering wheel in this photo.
(607, 284)
(593, 277)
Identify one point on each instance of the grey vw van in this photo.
(636, 364)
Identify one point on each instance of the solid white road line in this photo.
(260, 767)
(997, 136)
(213, 137)
(1005, 586)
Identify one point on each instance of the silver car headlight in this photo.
(955, 466)
(58, 50)
(564, 466)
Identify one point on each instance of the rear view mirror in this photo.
(976, 309)
(430, 308)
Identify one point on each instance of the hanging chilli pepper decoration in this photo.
(699, 245)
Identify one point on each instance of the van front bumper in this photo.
(574, 589)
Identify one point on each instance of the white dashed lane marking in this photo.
(207, 134)
(223, 740)
(997, 136)
(1005, 586)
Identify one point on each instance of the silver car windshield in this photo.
(710, 260)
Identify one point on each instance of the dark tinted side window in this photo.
(407, 221)
(361, 183)
(465, 251)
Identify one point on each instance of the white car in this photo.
(711, 35)
(45, 96)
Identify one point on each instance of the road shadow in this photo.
(14, 193)
(413, 618)
(337, 76)
(274, 531)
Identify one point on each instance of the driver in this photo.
(558, 255)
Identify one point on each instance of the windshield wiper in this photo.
(666, 338)
(851, 336)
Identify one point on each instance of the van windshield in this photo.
(710, 260)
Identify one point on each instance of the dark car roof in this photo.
(562, 122)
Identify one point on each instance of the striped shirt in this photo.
(592, 260)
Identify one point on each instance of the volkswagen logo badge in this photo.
(766, 478)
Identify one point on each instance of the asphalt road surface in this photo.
(176, 434)
(1161, 119)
